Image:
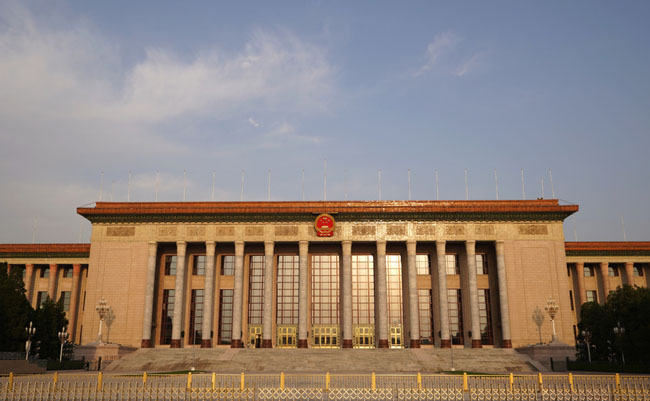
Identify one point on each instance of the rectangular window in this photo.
(256, 289)
(44, 272)
(325, 290)
(455, 305)
(196, 316)
(592, 296)
(481, 264)
(167, 315)
(287, 289)
(485, 316)
(394, 293)
(571, 299)
(170, 265)
(451, 261)
(225, 316)
(67, 272)
(40, 298)
(612, 271)
(423, 263)
(638, 271)
(363, 289)
(198, 269)
(568, 270)
(228, 265)
(426, 317)
(589, 271)
(65, 295)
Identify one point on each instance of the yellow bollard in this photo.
(465, 386)
(100, 379)
(189, 381)
(242, 385)
(11, 381)
(512, 380)
(374, 382)
(539, 379)
(214, 380)
(327, 381)
(618, 382)
(55, 379)
(571, 381)
(144, 379)
(419, 381)
(281, 380)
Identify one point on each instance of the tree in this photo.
(50, 320)
(629, 306)
(15, 310)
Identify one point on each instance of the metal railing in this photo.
(201, 386)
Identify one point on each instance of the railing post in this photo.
(11, 381)
(189, 381)
(214, 380)
(55, 378)
(327, 381)
(281, 380)
(242, 385)
(373, 384)
(539, 379)
(512, 380)
(618, 382)
(100, 379)
(419, 381)
(571, 380)
(144, 379)
(465, 386)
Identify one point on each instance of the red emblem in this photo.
(324, 225)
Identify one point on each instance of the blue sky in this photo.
(157, 88)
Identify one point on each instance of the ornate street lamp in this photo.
(28, 345)
(619, 332)
(102, 309)
(63, 337)
(552, 308)
(586, 334)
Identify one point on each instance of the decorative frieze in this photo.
(425, 229)
(167, 231)
(484, 229)
(225, 231)
(255, 231)
(533, 229)
(196, 231)
(286, 231)
(120, 231)
(364, 230)
(455, 230)
(396, 230)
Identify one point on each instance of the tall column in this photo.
(267, 318)
(148, 296)
(206, 328)
(470, 250)
(73, 313)
(414, 314)
(604, 277)
(629, 273)
(503, 296)
(179, 295)
(346, 286)
(303, 337)
(238, 295)
(8, 269)
(580, 276)
(29, 279)
(51, 288)
(381, 289)
(445, 339)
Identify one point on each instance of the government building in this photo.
(357, 274)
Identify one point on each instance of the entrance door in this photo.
(287, 336)
(325, 337)
(396, 336)
(254, 336)
(364, 336)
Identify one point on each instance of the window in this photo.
(40, 298)
(167, 316)
(451, 261)
(170, 265)
(423, 264)
(394, 293)
(592, 296)
(612, 271)
(287, 289)
(44, 272)
(228, 265)
(638, 271)
(325, 289)
(426, 317)
(256, 289)
(65, 295)
(568, 270)
(481, 264)
(589, 271)
(67, 272)
(196, 316)
(455, 305)
(225, 316)
(198, 269)
(571, 299)
(485, 316)
(363, 289)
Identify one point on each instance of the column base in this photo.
(267, 343)
(415, 344)
(347, 343)
(175, 344)
(145, 343)
(445, 343)
(206, 343)
(506, 344)
(303, 344)
(477, 344)
(382, 344)
(235, 344)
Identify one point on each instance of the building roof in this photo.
(607, 248)
(44, 250)
(532, 210)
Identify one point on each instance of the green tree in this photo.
(629, 307)
(49, 320)
(15, 311)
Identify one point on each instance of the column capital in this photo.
(268, 247)
(499, 247)
(381, 247)
(76, 269)
(411, 246)
(54, 265)
(181, 246)
(579, 264)
(347, 247)
(470, 245)
(239, 248)
(209, 247)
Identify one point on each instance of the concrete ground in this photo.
(226, 360)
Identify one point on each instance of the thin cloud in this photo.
(441, 44)
(468, 65)
(253, 122)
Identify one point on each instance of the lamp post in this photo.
(552, 308)
(63, 337)
(586, 334)
(31, 330)
(102, 309)
(619, 331)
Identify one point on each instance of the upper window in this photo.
(423, 265)
(67, 272)
(592, 296)
(452, 263)
(612, 271)
(170, 265)
(228, 265)
(481, 264)
(638, 271)
(198, 269)
(589, 271)
(44, 272)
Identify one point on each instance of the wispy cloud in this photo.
(468, 65)
(285, 132)
(253, 122)
(441, 43)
